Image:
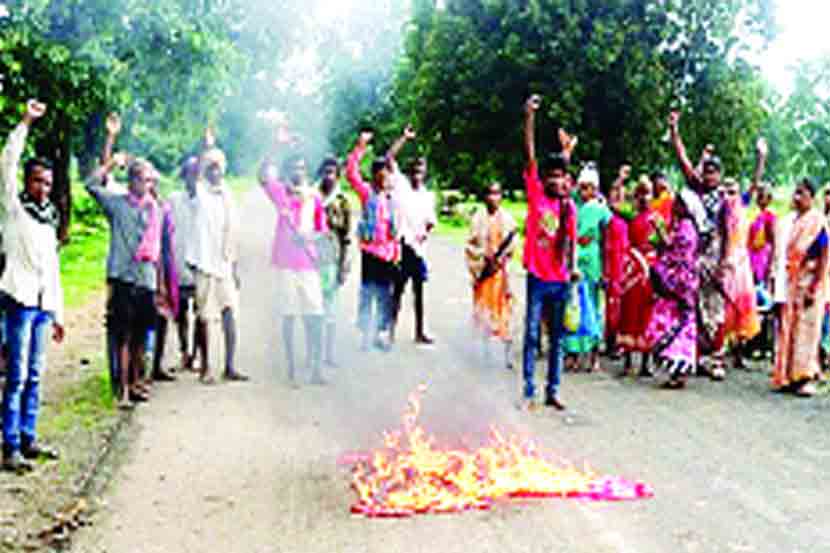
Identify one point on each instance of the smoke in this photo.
(314, 65)
(332, 64)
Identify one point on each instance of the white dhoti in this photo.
(299, 293)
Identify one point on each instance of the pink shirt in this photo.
(289, 252)
(544, 255)
(385, 244)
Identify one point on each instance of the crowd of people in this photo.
(311, 252)
(679, 276)
(168, 259)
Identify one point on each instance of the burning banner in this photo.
(410, 475)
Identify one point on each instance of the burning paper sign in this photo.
(411, 475)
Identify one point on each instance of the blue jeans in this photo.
(28, 330)
(376, 282)
(546, 299)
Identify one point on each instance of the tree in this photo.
(609, 71)
(165, 64)
(801, 123)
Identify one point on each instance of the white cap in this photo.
(589, 174)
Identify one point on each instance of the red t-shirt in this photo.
(545, 255)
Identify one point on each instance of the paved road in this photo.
(253, 468)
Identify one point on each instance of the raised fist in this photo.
(568, 142)
(674, 119)
(409, 133)
(533, 103)
(365, 138)
(210, 137)
(113, 124)
(625, 171)
(283, 136)
(762, 147)
(35, 109)
(120, 159)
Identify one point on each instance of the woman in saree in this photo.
(672, 329)
(638, 297)
(492, 241)
(761, 239)
(663, 197)
(593, 216)
(825, 327)
(742, 321)
(762, 247)
(799, 331)
(615, 249)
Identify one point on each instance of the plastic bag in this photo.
(572, 310)
(763, 298)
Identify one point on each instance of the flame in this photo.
(411, 475)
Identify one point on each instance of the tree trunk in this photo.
(88, 155)
(57, 147)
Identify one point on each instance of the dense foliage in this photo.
(609, 72)
(458, 69)
(164, 64)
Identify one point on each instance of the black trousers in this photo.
(413, 267)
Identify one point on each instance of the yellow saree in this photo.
(799, 331)
(492, 299)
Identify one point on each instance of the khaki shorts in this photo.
(214, 295)
(299, 293)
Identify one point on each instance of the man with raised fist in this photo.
(35, 298)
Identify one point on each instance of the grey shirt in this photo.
(127, 226)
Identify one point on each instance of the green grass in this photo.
(82, 267)
(84, 405)
(456, 228)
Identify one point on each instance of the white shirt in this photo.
(417, 211)
(32, 275)
(782, 239)
(183, 208)
(209, 252)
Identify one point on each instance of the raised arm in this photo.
(395, 149)
(568, 143)
(268, 172)
(680, 149)
(623, 175)
(353, 166)
(761, 152)
(531, 107)
(13, 150)
(113, 130)
(94, 183)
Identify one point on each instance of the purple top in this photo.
(294, 247)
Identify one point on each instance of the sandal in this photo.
(807, 389)
(570, 364)
(126, 405)
(138, 396)
(674, 383)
